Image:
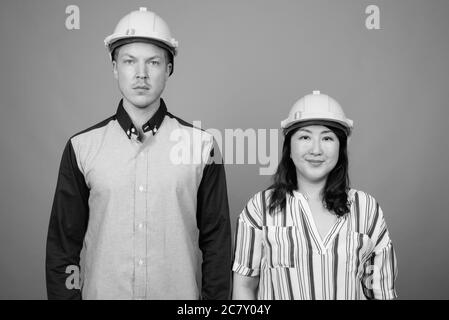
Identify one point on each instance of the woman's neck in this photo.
(312, 190)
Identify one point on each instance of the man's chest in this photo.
(116, 171)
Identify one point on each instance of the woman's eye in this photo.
(304, 138)
(328, 139)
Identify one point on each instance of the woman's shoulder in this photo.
(364, 205)
(262, 196)
(359, 195)
(260, 201)
(255, 209)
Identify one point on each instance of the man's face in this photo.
(141, 70)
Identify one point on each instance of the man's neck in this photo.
(139, 116)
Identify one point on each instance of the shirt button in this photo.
(141, 188)
(140, 226)
(140, 262)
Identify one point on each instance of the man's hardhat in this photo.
(142, 25)
(317, 108)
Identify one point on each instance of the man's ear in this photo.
(114, 69)
(168, 69)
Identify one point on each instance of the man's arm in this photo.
(68, 224)
(215, 231)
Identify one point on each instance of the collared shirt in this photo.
(355, 260)
(148, 217)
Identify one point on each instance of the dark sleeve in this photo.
(215, 230)
(67, 227)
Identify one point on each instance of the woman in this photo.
(309, 236)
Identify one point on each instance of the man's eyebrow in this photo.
(129, 55)
(157, 56)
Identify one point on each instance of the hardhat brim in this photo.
(123, 41)
(321, 122)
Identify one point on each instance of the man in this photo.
(150, 226)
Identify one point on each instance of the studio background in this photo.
(241, 64)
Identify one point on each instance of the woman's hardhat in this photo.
(317, 108)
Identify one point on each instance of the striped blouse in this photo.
(355, 260)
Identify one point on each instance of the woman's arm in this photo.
(245, 288)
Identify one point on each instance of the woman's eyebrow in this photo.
(322, 132)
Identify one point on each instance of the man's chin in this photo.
(141, 106)
(143, 102)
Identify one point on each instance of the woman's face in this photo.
(314, 151)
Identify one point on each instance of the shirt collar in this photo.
(298, 195)
(152, 125)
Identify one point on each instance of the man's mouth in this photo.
(141, 87)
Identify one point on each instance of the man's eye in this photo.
(128, 61)
(155, 62)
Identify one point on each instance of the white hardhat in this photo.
(317, 108)
(142, 25)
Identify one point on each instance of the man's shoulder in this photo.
(182, 124)
(92, 129)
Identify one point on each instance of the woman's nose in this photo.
(316, 147)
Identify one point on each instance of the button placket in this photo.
(140, 237)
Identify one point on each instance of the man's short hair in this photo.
(167, 53)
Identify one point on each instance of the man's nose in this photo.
(141, 72)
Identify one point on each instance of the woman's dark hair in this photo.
(335, 193)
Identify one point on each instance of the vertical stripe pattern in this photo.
(355, 260)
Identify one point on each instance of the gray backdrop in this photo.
(241, 64)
